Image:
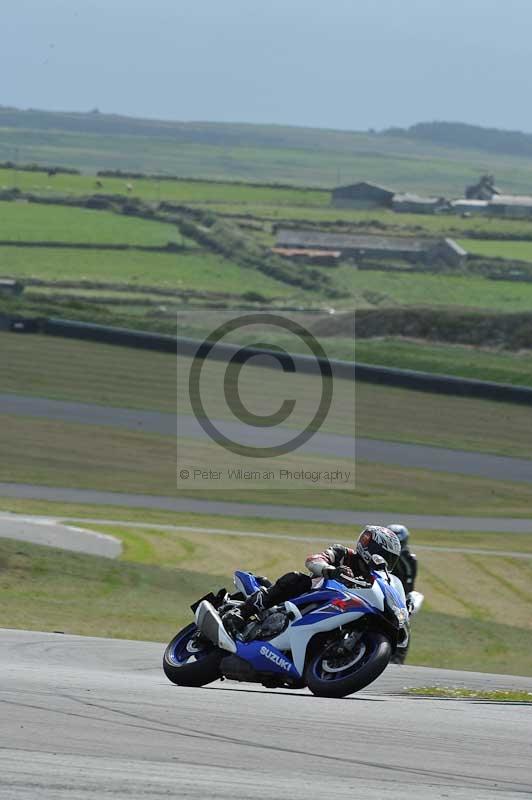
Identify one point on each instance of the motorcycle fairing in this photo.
(296, 637)
(394, 590)
(265, 657)
(246, 583)
(300, 636)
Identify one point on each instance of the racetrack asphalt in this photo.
(84, 718)
(221, 508)
(483, 465)
(56, 533)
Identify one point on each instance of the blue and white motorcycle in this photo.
(335, 639)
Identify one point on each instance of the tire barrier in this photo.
(346, 370)
(124, 337)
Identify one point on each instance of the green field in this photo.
(257, 152)
(262, 202)
(377, 218)
(51, 453)
(205, 271)
(174, 191)
(519, 251)
(467, 362)
(244, 269)
(383, 289)
(117, 376)
(192, 269)
(32, 222)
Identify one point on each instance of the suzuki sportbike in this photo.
(335, 639)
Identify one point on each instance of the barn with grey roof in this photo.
(362, 195)
(408, 248)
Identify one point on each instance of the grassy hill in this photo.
(459, 134)
(139, 251)
(271, 153)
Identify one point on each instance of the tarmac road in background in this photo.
(482, 465)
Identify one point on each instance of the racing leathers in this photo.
(338, 560)
(334, 562)
(406, 569)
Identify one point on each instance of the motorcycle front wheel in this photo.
(190, 661)
(333, 674)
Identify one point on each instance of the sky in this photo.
(346, 64)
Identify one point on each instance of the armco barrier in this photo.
(69, 329)
(369, 373)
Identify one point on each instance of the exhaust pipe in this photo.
(211, 626)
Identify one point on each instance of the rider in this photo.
(337, 561)
(406, 568)
(406, 571)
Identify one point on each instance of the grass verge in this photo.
(48, 589)
(442, 575)
(499, 695)
(146, 518)
(51, 453)
(118, 376)
(460, 360)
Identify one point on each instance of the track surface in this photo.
(219, 507)
(83, 718)
(55, 533)
(482, 465)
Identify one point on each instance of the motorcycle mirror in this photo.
(380, 563)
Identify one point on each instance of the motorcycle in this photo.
(335, 640)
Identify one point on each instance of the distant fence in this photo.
(183, 346)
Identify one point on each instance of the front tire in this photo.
(190, 663)
(330, 677)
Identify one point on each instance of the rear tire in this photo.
(188, 665)
(375, 659)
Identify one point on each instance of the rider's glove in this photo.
(337, 573)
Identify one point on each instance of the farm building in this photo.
(500, 205)
(379, 247)
(485, 189)
(324, 258)
(10, 286)
(413, 204)
(362, 195)
(464, 206)
(507, 205)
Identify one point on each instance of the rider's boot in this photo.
(284, 588)
(237, 618)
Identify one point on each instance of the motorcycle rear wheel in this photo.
(329, 677)
(187, 663)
